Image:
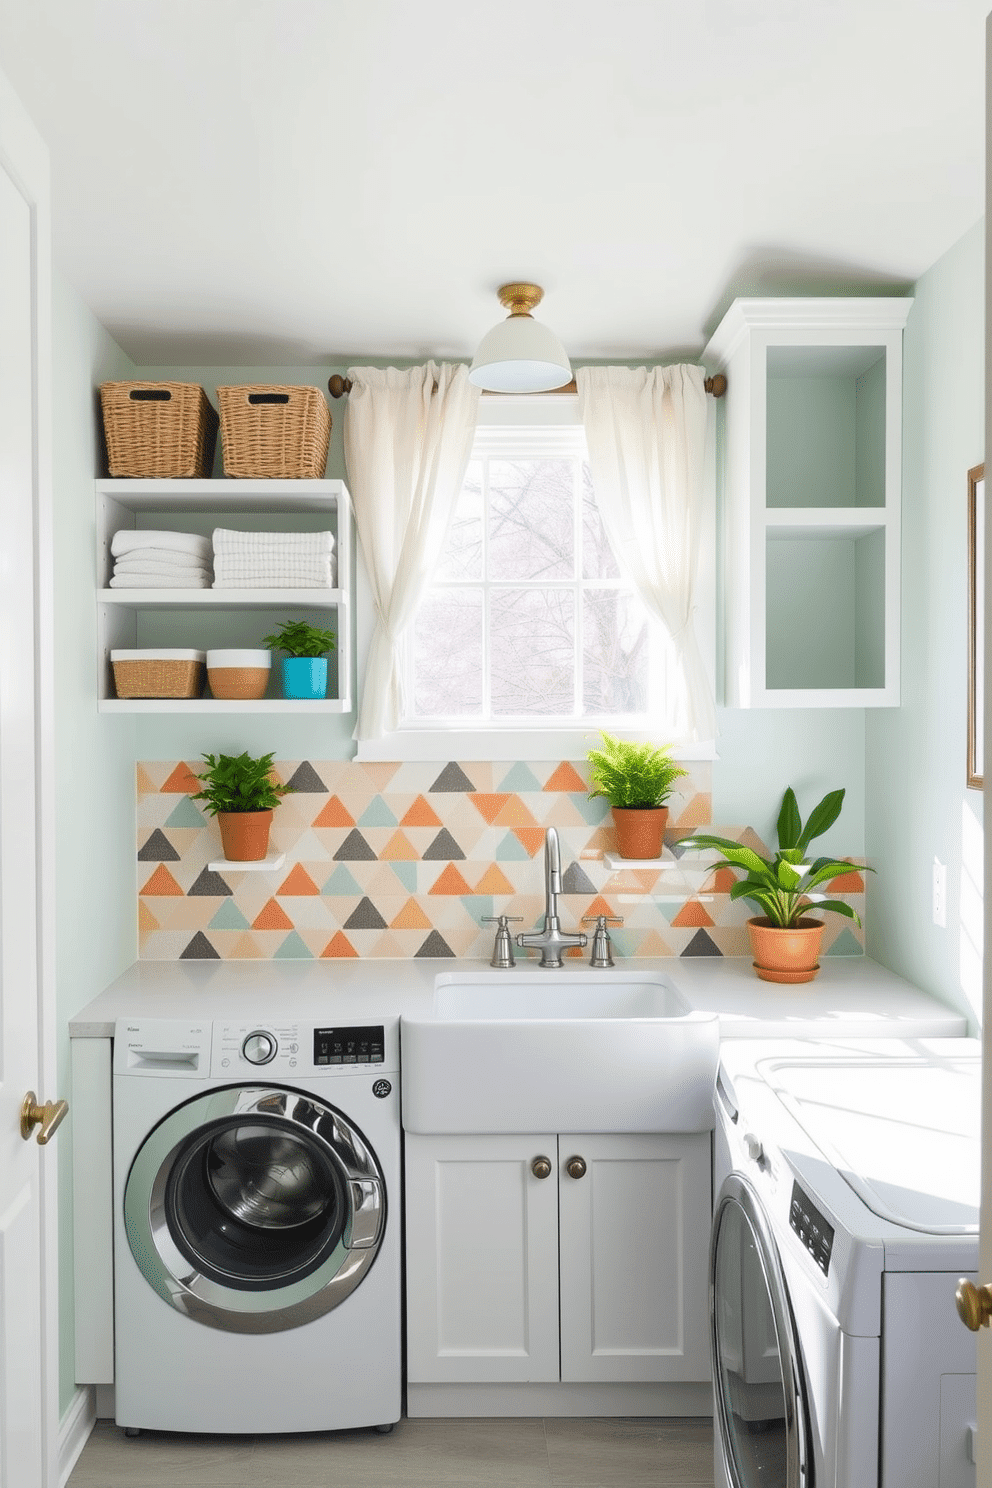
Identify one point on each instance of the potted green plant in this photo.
(242, 794)
(304, 666)
(784, 937)
(637, 780)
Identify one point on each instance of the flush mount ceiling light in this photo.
(519, 355)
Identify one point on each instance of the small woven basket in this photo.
(142, 676)
(274, 432)
(158, 430)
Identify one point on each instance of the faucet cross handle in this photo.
(502, 956)
(602, 946)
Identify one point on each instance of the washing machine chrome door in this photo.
(253, 1209)
(760, 1388)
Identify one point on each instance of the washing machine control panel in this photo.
(350, 1045)
(289, 1050)
(259, 1047)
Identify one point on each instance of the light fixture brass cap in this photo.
(520, 299)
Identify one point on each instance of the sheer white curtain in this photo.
(646, 434)
(407, 439)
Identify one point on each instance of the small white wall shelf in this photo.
(268, 864)
(219, 617)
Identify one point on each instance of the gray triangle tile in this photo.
(574, 881)
(702, 945)
(209, 883)
(434, 945)
(199, 949)
(444, 847)
(354, 849)
(452, 778)
(305, 778)
(365, 916)
(158, 849)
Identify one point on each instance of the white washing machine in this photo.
(847, 1183)
(256, 1225)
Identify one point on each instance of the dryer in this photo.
(847, 1189)
(256, 1225)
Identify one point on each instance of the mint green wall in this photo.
(94, 756)
(918, 806)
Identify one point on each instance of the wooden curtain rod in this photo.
(337, 386)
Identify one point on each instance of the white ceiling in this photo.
(300, 181)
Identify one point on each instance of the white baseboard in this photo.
(74, 1429)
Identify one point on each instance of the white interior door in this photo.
(28, 1290)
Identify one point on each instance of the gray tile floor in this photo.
(552, 1453)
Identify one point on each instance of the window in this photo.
(528, 620)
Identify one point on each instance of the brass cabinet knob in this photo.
(974, 1304)
(541, 1167)
(576, 1167)
(48, 1118)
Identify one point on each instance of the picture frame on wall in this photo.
(976, 626)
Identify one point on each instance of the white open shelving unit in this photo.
(207, 618)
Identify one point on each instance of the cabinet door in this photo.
(482, 1259)
(634, 1242)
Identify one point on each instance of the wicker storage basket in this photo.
(158, 674)
(158, 429)
(274, 432)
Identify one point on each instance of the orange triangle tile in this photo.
(698, 812)
(599, 906)
(410, 917)
(161, 882)
(146, 920)
(143, 783)
(298, 882)
(421, 814)
(692, 914)
(530, 838)
(182, 782)
(494, 881)
(450, 882)
(272, 916)
(399, 849)
(575, 953)
(847, 883)
(646, 877)
(515, 814)
(334, 814)
(653, 945)
(488, 805)
(720, 881)
(339, 945)
(566, 778)
(245, 948)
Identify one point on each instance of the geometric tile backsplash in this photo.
(400, 860)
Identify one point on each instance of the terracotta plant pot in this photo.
(245, 834)
(791, 955)
(640, 830)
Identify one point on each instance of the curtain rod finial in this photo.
(337, 385)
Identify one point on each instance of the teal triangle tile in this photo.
(377, 814)
(208, 883)
(511, 850)
(365, 916)
(186, 814)
(478, 907)
(435, 945)
(292, 949)
(406, 872)
(452, 778)
(354, 849)
(228, 917)
(520, 778)
(846, 944)
(702, 945)
(305, 778)
(341, 882)
(444, 848)
(574, 881)
(592, 812)
(199, 949)
(158, 849)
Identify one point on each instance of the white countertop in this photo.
(852, 997)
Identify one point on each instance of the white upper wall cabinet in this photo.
(811, 474)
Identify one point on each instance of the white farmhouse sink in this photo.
(558, 1050)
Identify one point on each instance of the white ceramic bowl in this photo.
(239, 674)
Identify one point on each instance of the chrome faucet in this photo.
(552, 940)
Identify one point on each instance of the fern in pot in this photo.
(241, 792)
(637, 780)
(304, 665)
(785, 937)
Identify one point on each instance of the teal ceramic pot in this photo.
(304, 676)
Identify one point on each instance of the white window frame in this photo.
(550, 423)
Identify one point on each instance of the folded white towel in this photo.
(272, 544)
(128, 539)
(149, 561)
(279, 581)
(159, 581)
(230, 574)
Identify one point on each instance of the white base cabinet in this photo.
(513, 1277)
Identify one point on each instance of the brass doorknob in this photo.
(541, 1167)
(974, 1304)
(48, 1118)
(576, 1167)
